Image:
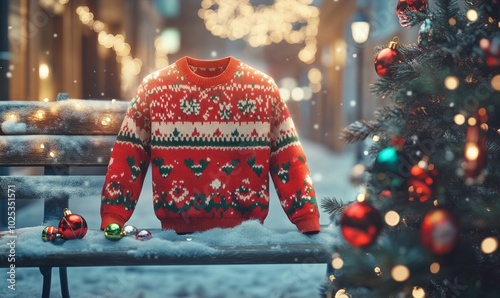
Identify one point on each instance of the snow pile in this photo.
(13, 127)
(30, 243)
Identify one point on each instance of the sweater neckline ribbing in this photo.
(230, 63)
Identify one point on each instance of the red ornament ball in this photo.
(404, 8)
(387, 58)
(50, 234)
(72, 226)
(420, 182)
(360, 224)
(439, 231)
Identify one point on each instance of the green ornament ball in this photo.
(113, 232)
(388, 169)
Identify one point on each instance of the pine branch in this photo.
(359, 131)
(333, 206)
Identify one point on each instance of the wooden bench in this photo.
(68, 135)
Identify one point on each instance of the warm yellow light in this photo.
(472, 121)
(376, 138)
(40, 114)
(42, 146)
(360, 31)
(337, 263)
(400, 273)
(377, 271)
(43, 71)
(264, 24)
(105, 120)
(495, 82)
(314, 75)
(12, 117)
(489, 245)
(361, 197)
(341, 294)
(451, 82)
(471, 151)
(459, 119)
(297, 94)
(435, 267)
(315, 88)
(472, 15)
(52, 154)
(418, 292)
(392, 218)
(285, 94)
(452, 21)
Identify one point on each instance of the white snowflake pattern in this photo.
(178, 191)
(190, 107)
(216, 184)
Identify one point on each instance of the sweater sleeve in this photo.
(128, 163)
(289, 171)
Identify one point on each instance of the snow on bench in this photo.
(65, 135)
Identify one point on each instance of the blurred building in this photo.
(102, 49)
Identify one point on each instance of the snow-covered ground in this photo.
(330, 173)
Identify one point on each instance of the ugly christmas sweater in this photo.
(212, 132)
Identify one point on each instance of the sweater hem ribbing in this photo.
(183, 226)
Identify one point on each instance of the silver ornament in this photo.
(143, 235)
(130, 230)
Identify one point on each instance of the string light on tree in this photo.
(418, 292)
(434, 268)
(400, 273)
(475, 147)
(489, 245)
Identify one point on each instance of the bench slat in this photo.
(41, 150)
(49, 187)
(263, 254)
(68, 117)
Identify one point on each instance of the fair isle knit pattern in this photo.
(213, 132)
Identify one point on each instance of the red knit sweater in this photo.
(212, 131)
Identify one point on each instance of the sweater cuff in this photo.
(107, 219)
(306, 224)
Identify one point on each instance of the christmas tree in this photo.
(427, 221)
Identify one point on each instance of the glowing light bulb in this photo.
(459, 119)
(472, 15)
(489, 245)
(400, 273)
(451, 82)
(337, 263)
(471, 151)
(418, 292)
(435, 267)
(392, 218)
